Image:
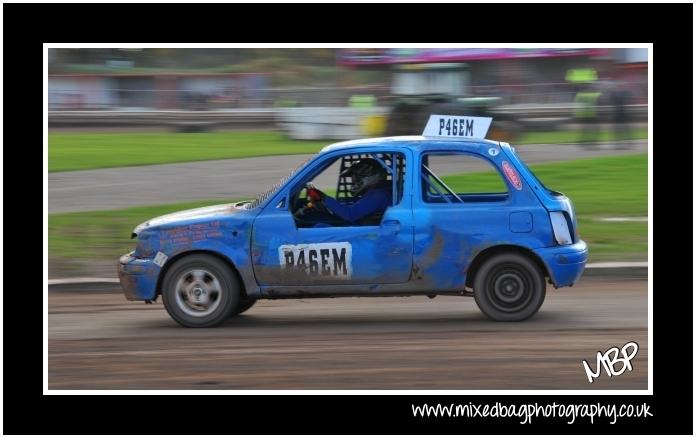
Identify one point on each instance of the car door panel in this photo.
(285, 254)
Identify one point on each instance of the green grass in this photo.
(104, 234)
(476, 182)
(568, 136)
(96, 150)
(604, 187)
(79, 151)
(599, 187)
(614, 241)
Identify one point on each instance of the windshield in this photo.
(270, 192)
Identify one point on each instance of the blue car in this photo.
(445, 213)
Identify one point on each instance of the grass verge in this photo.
(90, 151)
(81, 151)
(103, 234)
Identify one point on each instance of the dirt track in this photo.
(101, 341)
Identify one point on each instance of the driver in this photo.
(370, 183)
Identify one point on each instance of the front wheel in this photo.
(200, 291)
(243, 305)
(509, 287)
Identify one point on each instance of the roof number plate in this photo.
(457, 127)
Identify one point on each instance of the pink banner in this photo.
(404, 55)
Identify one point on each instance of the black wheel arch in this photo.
(221, 257)
(492, 251)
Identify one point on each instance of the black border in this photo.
(27, 26)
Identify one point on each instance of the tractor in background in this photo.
(419, 90)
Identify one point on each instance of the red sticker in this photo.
(512, 175)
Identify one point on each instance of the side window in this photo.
(354, 190)
(395, 167)
(460, 178)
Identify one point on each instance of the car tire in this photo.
(243, 305)
(200, 291)
(509, 287)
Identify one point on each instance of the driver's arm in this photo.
(373, 201)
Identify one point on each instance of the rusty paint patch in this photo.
(434, 252)
(185, 236)
(129, 286)
(415, 270)
(136, 269)
(294, 276)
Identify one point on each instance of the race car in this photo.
(445, 213)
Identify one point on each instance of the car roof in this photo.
(414, 142)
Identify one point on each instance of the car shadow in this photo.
(472, 320)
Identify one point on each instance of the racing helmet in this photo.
(366, 173)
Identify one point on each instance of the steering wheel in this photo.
(321, 207)
(312, 202)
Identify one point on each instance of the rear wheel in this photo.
(200, 291)
(509, 287)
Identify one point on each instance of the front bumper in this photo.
(565, 263)
(138, 277)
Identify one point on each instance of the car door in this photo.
(285, 254)
(462, 206)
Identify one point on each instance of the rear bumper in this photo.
(565, 263)
(138, 277)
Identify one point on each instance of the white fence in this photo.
(325, 122)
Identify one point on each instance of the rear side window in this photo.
(459, 177)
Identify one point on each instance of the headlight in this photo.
(560, 228)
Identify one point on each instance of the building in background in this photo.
(631, 68)
(195, 91)
(535, 75)
(251, 87)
